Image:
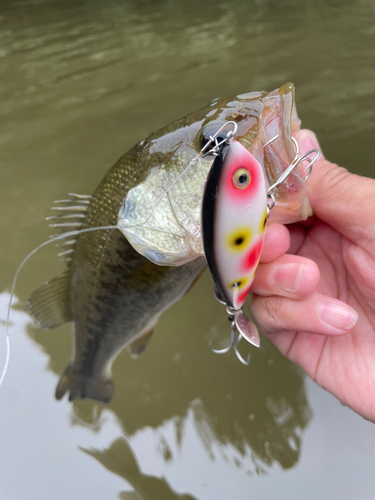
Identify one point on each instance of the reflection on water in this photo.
(120, 460)
(247, 417)
(80, 83)
(177, 410)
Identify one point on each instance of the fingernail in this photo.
(336, 314)
(287, 277)
(307, 141)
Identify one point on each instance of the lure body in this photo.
(234, 214)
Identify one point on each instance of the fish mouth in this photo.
(271, 144)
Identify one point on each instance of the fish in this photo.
(117, 283)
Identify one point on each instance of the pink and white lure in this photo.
(234, 215)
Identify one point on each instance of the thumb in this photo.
(343, 200)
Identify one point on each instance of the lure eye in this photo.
(241, 178)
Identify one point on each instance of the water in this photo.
(80, 83)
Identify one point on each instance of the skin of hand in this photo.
(314, 290)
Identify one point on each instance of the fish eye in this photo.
(209, 131)
(241, 178)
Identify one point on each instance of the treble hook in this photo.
(295, 162)
(233, 345)
(235, 348)
(226, 349)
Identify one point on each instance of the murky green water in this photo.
(80, 83)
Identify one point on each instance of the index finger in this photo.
(276, 242)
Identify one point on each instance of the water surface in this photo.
(80, 83)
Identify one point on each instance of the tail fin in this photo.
(82, 387)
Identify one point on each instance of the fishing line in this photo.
(15, 279)
(68, 235)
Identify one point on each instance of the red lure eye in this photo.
(241, 178)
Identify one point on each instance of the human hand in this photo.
(316, 303)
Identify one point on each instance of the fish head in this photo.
(265, 123)
(245, 110)
(161, 214)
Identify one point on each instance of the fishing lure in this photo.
(235, 206)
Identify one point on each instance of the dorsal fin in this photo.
(69, 216)
(48, 304)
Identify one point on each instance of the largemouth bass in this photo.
(114, 295)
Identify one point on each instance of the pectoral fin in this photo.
(138, 346)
